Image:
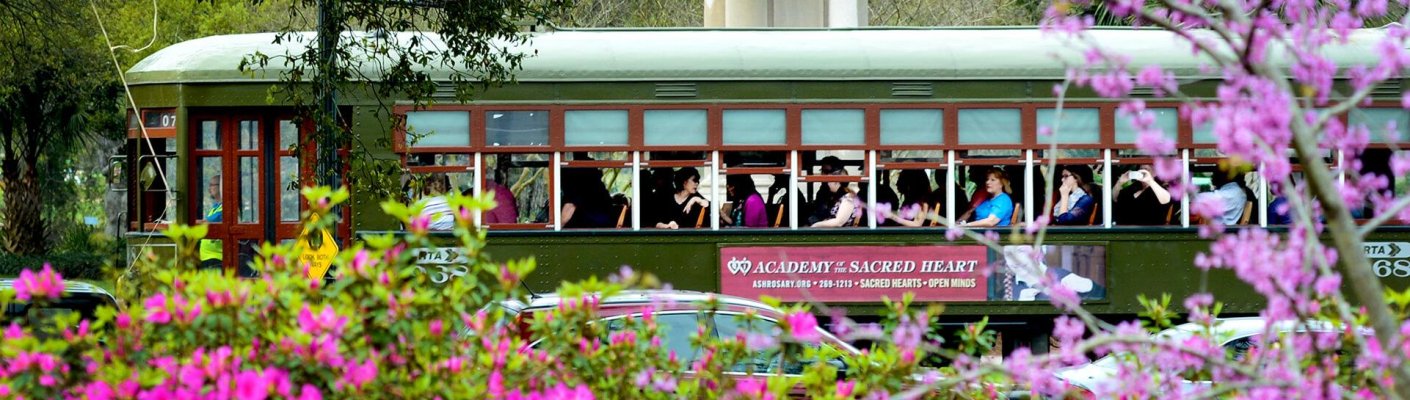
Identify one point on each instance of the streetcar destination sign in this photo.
(1387, 249)
(1389, 259)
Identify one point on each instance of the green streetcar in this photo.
(626, 107)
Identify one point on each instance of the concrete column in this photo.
(799, 13)
(714, 13)
(746, 13)
(847, 13)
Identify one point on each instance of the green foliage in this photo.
(72, 265)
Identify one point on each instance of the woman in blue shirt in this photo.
(998, 209)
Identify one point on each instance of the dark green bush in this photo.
(86, 266)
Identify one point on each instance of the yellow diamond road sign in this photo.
(317, 259)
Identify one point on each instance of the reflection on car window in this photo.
(675, 333)
(1237, 349)
(730, 326)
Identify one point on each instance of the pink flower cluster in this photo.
(45, 285)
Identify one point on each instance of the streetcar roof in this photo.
(751, 54)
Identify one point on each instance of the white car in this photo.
(1235, 335)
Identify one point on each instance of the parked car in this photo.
(1235, 335)
(79, 297)
(678, 313)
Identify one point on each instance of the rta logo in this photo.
(739, 267)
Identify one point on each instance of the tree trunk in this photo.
(24, 224)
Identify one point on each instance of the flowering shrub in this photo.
(381, 329)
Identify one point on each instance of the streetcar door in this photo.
(231, 157)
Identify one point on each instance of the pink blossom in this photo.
(1037, 225)
(757, 341)
(844, 389)
(1328, 284)
(754, 387)
(157, 311)
(310, 392)
(14, 332)
(45, 285)
(249, 385)
(326, 321)
(358, 375)
(802, 326)
(420, 224)
(954, 233)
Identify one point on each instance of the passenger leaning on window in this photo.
(1075, 202)
(915, 207)
(1143, 202)
(998, 209)
(676, 210)
(845, 206)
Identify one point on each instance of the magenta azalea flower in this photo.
(803, 327)
(44, 285)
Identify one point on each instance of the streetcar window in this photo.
(210, 135)
(249, 135)
(288, 191)
(597, 188)
(516, 128)
(250, 181)
(1164, 119)
(438, 129)
(1387, 125)
(914, 199)
(675, 127)
(1071, 126)
(991, 126)
(211, 189)
(289, 199)
(834, 127)
(595, 127)
(754, 127)
(1204, 133)
(912, 127)
(526, 176)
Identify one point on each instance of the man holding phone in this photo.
(1141, 200)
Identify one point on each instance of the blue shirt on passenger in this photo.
(998, 206)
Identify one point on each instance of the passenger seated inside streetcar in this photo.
(586, 202)
(681, 208)
(747, 205)
(1141, 199)
(435, 205)
(977, 176)
(506, 209)
(916, 201)
(1231, 193)
(822, 205)
(941, 195)
(657, 188)
(997, 210)
(886, 200)
(845, 206)
(1075, 202)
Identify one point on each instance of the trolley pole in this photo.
(325, 87)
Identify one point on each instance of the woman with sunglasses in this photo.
(1074, 203)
